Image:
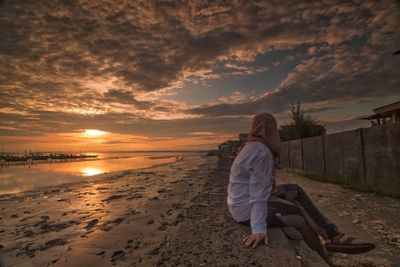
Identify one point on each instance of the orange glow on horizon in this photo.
(76, 142)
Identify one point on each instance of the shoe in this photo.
(348, 245)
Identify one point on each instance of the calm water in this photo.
(14, 179)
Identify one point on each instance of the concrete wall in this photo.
(343, 156)
(284, 158)
(296, 154)
(313, 152)
(382, 157)
(368, 157)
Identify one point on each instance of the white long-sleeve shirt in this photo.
(250, 185)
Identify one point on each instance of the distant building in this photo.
(243, 137)
(229, 147)
(384, 115)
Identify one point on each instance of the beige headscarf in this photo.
(264, 129)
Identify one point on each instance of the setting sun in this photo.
(93, 133)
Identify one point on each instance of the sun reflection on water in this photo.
(91, 171)
(21, 178)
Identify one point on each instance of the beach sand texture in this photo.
(120, 220)
(168, 215)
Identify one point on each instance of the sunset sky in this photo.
(144, 75)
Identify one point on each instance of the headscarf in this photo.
(264, 129)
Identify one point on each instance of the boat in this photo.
(40, 157)
(89, 156)
(16, 158)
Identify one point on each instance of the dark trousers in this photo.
(286, 214)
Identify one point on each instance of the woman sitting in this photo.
(254, 199)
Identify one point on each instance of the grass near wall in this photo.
(354, 186)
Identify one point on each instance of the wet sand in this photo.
(22, 178)
(122, 220)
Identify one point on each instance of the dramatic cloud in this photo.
(128, 67)
(337, 75)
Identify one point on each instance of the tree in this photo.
(303, 125)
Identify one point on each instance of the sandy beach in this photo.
(175, 215)
(122, 220)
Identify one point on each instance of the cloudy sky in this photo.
(187, 74)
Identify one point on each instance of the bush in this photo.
(302, 126)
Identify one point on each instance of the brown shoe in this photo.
(348, 245)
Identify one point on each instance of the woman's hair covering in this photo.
(264, 129)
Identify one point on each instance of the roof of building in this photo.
(387, 108)
(371, 117)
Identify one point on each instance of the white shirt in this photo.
(250, 185)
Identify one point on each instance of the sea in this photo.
(17, 178)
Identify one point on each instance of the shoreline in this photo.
(5, 164)
(114, 221)
(44, 175)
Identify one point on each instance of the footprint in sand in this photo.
(113, 197)
(28, 233)
(44, 217)
(163, 226)
(53, 243)
(91, 224)
(117, 255)
(133, 244)
(103, 188)
(107, 226)
(46, 227)
(101, 254)
(134, 196)
(133, 212)
(162, 190)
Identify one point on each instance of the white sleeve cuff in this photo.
(259, 230)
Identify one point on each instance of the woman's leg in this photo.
(335, 241)
(285, 214)
(282, 214)
(293, 192)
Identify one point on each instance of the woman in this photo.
(254, 199)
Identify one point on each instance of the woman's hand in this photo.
(255, 239)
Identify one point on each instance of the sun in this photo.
(93, 133)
